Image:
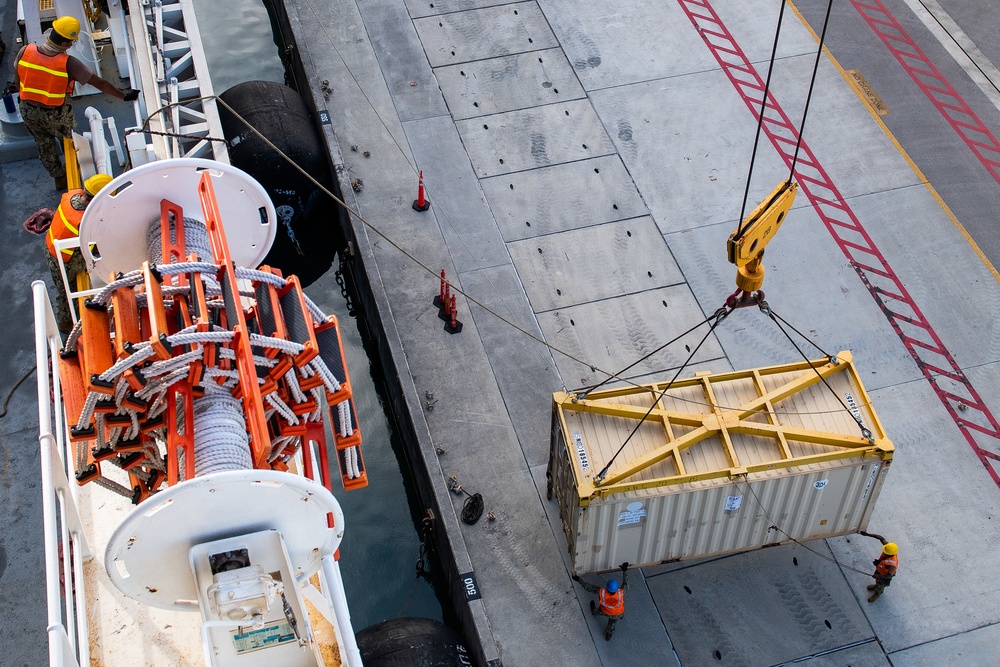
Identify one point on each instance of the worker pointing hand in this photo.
(44, 77)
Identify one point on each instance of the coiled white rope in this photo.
(259, 276)
(195, 240)
(291, 378)
(328, 378)
(351, 462)
(187, 267)
(129, 279)
(344, 417)
(317, 314)
(287, 346)
(282, 408)
(222, 443)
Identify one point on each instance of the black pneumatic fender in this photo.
(307, 238)
(412, 642)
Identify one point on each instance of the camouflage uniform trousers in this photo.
(75, 265)
(879, 586)
(48, 126)
(612, 619)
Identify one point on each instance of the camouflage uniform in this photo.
(48, 125)
(597, 611)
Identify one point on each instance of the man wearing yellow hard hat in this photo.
(885, 565)
(45, 75)
(66, 225)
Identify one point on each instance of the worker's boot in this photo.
(871, 587)
(874, 596)
(61, 183)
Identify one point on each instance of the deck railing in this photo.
(66, 546)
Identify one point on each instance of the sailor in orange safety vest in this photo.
(44, 77)
(885, 566)
(610, 599)
(66, 225)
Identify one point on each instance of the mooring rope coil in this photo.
(222, 442)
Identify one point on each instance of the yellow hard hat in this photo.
(67, 26)
(891, 549)
(94, 184)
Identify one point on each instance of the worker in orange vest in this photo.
(885, 566)
(611, 599)
(66, 225)
(44, 77)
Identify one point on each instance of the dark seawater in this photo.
(381, 543)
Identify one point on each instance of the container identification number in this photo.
(581, 452)
(853, 406)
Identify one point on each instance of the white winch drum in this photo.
(113, 232)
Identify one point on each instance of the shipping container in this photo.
(715, 464)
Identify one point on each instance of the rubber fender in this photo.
(307, 237)
(412, 642)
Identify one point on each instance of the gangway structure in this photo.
(157, 47)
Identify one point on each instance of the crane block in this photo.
(748, 241)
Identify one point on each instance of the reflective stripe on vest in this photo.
(65, 224)
(612, 604)
(43, 78)
(887, 565)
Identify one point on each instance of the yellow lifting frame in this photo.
(723, 423)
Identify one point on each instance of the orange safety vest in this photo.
(65, 224)
(44, 79)
(886, 566)
(613, 604)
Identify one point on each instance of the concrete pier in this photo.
(585, 165)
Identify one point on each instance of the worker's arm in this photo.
(16, 83)
(590, 588)
(624, 567)
(876, 536)
(79, 72)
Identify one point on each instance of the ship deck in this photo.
(585, 164)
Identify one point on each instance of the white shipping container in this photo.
(722, 463)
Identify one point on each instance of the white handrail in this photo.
(69, 643)
(98, 142)
(333, 591)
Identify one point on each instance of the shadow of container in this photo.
(307, 238)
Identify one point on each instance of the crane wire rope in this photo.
(760, 118)
(812, 83)
(763, 105)
(774, 318)
(720, 315)
(600, 384)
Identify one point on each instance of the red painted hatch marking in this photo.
(933, 359)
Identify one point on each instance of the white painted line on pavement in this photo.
(960, 46)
